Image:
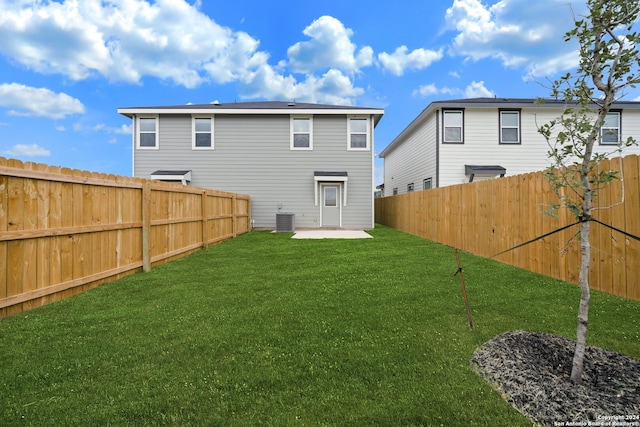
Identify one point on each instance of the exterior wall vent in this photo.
(285, 222)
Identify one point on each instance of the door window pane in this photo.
(330, 196)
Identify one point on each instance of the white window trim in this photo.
(148, 116)
(291, 122)
(517, 127)
(619, 127)
(367, 134)
(319, 180)
(193, 132)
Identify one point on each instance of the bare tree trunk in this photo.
(585, 251)
(583, 311)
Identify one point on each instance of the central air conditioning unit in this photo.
(285, 222)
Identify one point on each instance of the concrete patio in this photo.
(331, 234)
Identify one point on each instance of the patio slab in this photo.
(331, 234)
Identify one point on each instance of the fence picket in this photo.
(63, 231)
(487, 217)
(632, 225)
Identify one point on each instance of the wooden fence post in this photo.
(234, 218)
(205, 216)
(146, 226)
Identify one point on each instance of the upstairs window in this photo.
(409, 187)
(509, 127)
(426, 184)
(202, 132)
(358, 133)
(301, 133)
(453, 121)
(610, 131)
(148, 132)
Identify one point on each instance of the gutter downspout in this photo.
(438, 148)
(133, 145)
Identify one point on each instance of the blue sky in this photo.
(67, 66)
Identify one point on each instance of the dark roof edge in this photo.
(324, 173)
(260, 107)
(254, 105)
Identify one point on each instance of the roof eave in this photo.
(375, 112)
(414, 123)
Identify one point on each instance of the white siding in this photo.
(482, 147)
(252, 156)
(414, 158)
(413, 161)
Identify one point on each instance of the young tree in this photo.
(609, 64)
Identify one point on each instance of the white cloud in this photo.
(426, 90)
(330, 47)
(478, 90)
(473, 90)
(123, 130)
(27, 150)
(331, 88)
(30, 101)
(124, 40)
(519, 34)
(400, 60)
(235, 61)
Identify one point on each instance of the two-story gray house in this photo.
(312, 160)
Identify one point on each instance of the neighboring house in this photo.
(457, 141)
(314, 161)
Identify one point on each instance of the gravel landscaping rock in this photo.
(532, 372)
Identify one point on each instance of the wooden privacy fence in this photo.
(64, 231)
(487, 217)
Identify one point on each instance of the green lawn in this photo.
(266, 330)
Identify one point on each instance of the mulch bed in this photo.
(532, 372)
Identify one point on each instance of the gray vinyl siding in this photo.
(252, 156)
(413, 161)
